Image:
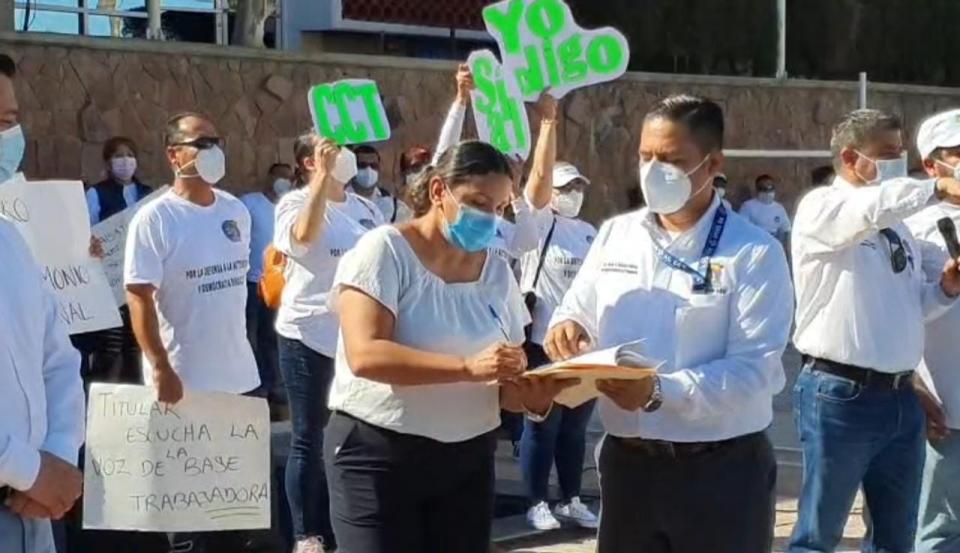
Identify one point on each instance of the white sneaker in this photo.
(577, 513)
(539, 517)
(308, 545)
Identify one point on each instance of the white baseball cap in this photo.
(940, 131)
(564, 173)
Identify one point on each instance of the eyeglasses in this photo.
(898, 253)
(202, 142)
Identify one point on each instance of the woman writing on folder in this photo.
(429, 321)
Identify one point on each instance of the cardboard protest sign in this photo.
(52, 217)
(200, 465)
(349, 111)
(498, 108)
(112, 233)
(543, 48)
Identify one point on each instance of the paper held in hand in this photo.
(623, 362)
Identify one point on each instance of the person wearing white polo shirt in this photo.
(862, 299)
(555, 192)
(185, 269)
(938, 385)
(686, 464)
(765, 211)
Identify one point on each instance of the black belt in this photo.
(868, 378)
(661, 448)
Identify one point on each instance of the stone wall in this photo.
(75, 93)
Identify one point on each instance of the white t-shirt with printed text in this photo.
(303, 313)
(197, 258)
(568, 247)
(430, 315)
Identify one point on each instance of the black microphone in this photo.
(949, 232)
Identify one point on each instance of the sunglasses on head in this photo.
(202, 142)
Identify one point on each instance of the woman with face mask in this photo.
(121, 189)
(555, 193)
(112, 355)
(430, 323)
(516, 233)
(316, 224)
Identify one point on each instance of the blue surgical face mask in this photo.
(472, 230)
(11, 152)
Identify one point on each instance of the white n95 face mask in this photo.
(568, 204)
(666, 187)
(345, 167)
(12, 144)
(211, 165)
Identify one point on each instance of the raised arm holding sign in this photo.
(544, 48)
(349, 111)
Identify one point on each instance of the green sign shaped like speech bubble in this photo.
(349, 111)
(543, 48)
(498, 107)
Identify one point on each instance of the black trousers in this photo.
(110, 355)
(392, 493)
(721, 501)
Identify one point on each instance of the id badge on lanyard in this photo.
(702, 279)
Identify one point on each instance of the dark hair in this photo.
(762, 178)
(276, 166)
(415, 158)
(172, 133)
(860, 126)
(111, 146)
(821, 174)
(365, 149)
(303, 148)
(457, 165)
(7, 66)
(702, 117)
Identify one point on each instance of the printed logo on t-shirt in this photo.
(367, 223)
(231, 230)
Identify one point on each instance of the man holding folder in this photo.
(710, 295)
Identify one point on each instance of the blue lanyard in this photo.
(701, 279)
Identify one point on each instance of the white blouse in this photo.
(431, 315)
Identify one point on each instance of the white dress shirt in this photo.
(721, 350)
(942, 348)
(41, 395)
(851, 306)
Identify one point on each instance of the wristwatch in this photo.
(656, 397)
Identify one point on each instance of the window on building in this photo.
(209, 21)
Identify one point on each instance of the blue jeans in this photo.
(561, 439)
(307, 376)
(940, 497)
(23, 535)
(851, 434)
